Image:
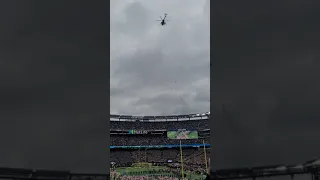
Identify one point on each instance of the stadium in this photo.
(159, 147)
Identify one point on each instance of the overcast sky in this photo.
(160, 70)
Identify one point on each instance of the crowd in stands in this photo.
(117, 176)
(193, 158)
(191, 124)
(139, 140)
(120, 140)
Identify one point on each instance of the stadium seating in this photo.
(191, 124)
(143, 140)
(193, 157)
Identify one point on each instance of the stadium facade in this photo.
(175, 145)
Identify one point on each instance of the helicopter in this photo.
(163, 21)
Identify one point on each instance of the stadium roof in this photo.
(173, 117)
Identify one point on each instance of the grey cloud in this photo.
(137, 20)
(153, 67)
(178, 105)
(156, 65)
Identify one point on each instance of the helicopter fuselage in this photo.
(163, 21)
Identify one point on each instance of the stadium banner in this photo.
(136, 132)
(183, 134)
(160, 146)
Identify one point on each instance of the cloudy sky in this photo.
(159, 70)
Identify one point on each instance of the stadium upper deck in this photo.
(192, 121)
(186, 117)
